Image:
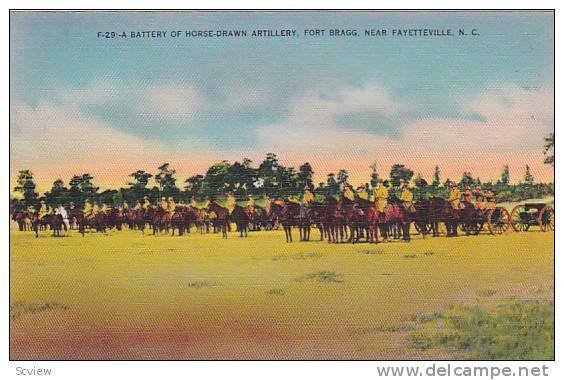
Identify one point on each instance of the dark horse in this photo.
(221, 219)
(241, 216)
(334, 221)
(355, 218)
(289, 216)
(441, 210)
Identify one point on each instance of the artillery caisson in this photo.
(524, 216)
(473, 221)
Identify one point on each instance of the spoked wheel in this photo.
(498, 220)
(472, 227)
(517, 223)
(546, 219)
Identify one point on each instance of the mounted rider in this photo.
(490, 199)
(381, 196)
(361, 192)
(162, 204)
(348, 192)
(479, 197)
(308, 196)
(406, 198)
(170, 206)
(88, 210)
(124, 207)
(230, 202)
(43, 210)
(105, 208)
(251, 204)
(454, 197)
(60, 210)
(193, 202)
(267, 203)
(467, 195)
(146, 203)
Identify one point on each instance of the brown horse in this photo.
(356, 219)
(241, 216)
(334, 221)
(23, 219)
(289, 216)
(441, 210)
(221, 219)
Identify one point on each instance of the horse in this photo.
(471, 219)
(318, 213)
(159, 219)
(221, 219)
(441, 210)
(23, 220)
(178, 220)
(241, 217)
(114, 218)
(355, 218)
(289, 216)
(334, 221)
(56, 224)
(421, 218)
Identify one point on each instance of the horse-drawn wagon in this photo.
(497, 220)
(525, 215)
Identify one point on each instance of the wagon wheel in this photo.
(546, 219)
(498, 220)
(517, 223)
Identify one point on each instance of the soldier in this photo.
(230, 202)
(31, 209)
(454, 197)
(88, 209)
(60, 210)
(467, 195)
(170, 206)
(362, 193)
(124, 206)
(138, 205)
(479, 196)
(308, 196)
(348, 192)
(162, 204)
(105, 208)
(251, 203)
(381, 196)
(267, 203)
(490, 199)
(193, 202)
(43, 209)
(146, 203)
(96, 208)
(406, 198)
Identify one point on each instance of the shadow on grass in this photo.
(20, 308)
(322, 276)
(518, 331)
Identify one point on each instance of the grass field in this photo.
(128, 296)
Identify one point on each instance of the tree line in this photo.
(269, 177)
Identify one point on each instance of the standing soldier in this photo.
(454, 197)
(362, 193)
(230, 202)
(406, 198)
(381, 196)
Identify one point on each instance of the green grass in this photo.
(517, 331)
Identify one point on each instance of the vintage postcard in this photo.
(282, 185)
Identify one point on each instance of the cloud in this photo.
(176, 102)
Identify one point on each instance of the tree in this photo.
(505, 176)
(138, 188)
(59, 194)
(420, 182)
(167, 181)
(529, 180)
(26, 186)
(216, 180)
(399, 173)
(87, 187)
(436, 177)
(194, 186)
(466, 180)
(374, 175)
(342, 177)
(332, 185)
(549, 149)
(305, 175)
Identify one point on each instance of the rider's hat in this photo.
(361, 186)
(146, 197)
(453, 185)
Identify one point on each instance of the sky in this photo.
(80, 103)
